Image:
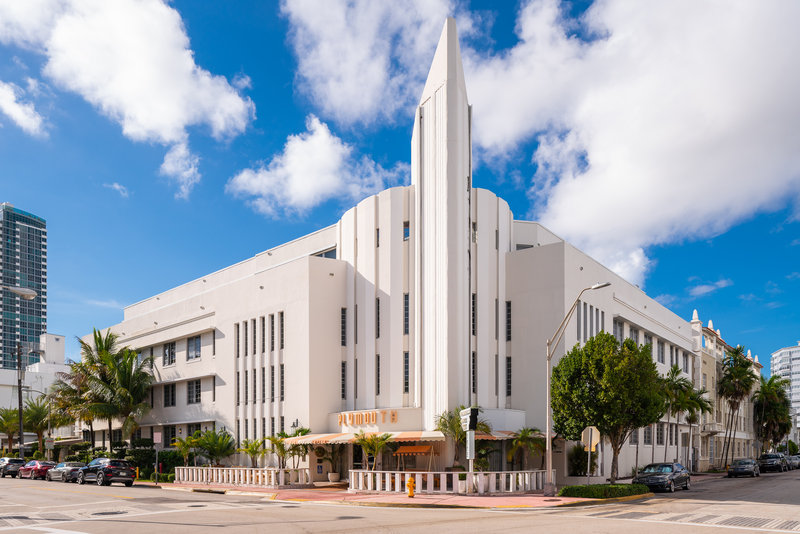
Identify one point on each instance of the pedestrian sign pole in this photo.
(590, 438)
(469, 421)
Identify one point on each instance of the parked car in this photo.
(793, 461)
(772, 461)
(664, 476)
(65, 471)
(744, 467)
(10, 466)
(35, 469)
(104, 471)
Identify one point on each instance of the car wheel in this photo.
(2, 475)
(64, 477)
(671, 487)
(758, 473)
(81, 478)
(13, 476)
(129, 483)
(100, 480)
(688, 484)
(48, 477)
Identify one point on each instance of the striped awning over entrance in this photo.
(349, 437)
(414, 450)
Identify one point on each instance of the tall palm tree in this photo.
(67, 396)
(36, 418)
(529, 440)
(373, 444)
(674, 388)
(95, 358)
(771, 411)
(735, 385)
(696, 404)
(254, 448)
(9, 425)
(279, 447)
(449, 424)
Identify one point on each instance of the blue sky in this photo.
(163, 141)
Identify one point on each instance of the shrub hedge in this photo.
(603, 491)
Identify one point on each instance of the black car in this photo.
(772, 461)
(104, 471)
(65, 472)
(664, 476)
(745, 467)
(10, 466)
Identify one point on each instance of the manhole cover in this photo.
(202, 505)
(555, 500)
(114, 512)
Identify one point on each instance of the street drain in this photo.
(555, 500)
(109, 513)
(202, 505)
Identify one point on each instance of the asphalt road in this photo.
(766, 504)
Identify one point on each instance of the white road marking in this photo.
(673, 523)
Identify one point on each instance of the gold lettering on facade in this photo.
(393, 416)
(383, 416)
(366, 418)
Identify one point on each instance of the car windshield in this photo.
(16, 461)
(119, 463)
(658, 468)
(743, 462)
(74, 464)
(770, 457)
(47, 463)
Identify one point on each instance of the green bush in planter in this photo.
(603, 491)
(171, 477)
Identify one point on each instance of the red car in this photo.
(35, 469)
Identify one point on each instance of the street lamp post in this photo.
(26, 294)
(549, 486)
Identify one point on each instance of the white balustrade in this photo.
(243, 476)
(428, 482)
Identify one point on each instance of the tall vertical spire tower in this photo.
(441, 173)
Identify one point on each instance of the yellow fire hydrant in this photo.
(410, 485)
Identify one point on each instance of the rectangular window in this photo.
(238, 399)
(633, 333)
(263, 428)
(647, 437)
(192, 428)
(406, 230)
(648, 340)
(263, 384)
(406, 372)
(619, 331)
(634, 437)
(193, 392)
(497, 239)
(377, 237)
(272, 383)
(245, 429)
(214, 342)
(474, 314)
(660, 352)
(280, 315)
(271, 332)
(344, 327)
(685, 363)
(169, 395)
(671, 357)
(168, 355)
(244, 344)
(705, 381)
(377, 374)
(474, 366)
(170, 431)
(585, 323)
(152, 398)
(603, 321)
(578, 320)
(405, 313)
(660, 434)
(591, 321)
(193, 348)
(245, 387)
(508, 320)
(496, 375)
(508, 376)
(271, 426)
(255, 382)
(344, 380)
(355, 378)
(355, 325)
(282, 383)
(377, 317)
(496, 319)
(282, 426)
(238, 441)
(236, 339)
(263, 334)
(214, 388)
(255, 347)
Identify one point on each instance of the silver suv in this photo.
(10, 466)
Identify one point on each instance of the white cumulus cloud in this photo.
(119, 188)
(23, 113)
(705, 289)
(181, 166)
(132, 60)
(314, 166)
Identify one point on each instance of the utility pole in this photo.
(20, 376)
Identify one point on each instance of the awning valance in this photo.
(496, 435)
(349, 437)
(414, 450)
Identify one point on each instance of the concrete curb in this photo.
(607, 501)
(389, 504)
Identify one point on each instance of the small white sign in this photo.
(49, 443)
(156, 437)
(590, 437)
(470, 444)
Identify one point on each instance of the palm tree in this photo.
(373, 444)
(696, 404)
(527, 439)
(9, 425)
(216, 445)
(184, 446)
(771, 410)
(36, 418)
(280, 448)
(67, 396)
(254, 448)
(95, 360)
(449, 424)
(674, 391)
(735, 385)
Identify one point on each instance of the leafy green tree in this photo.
(771, 410)
(675, 390)
(530, 440)
(373, 444)
(35, 417)
(602, 384)
(216, 445)
(449, 424)
(254, 448)
(186, 445)
(735, 385)
(9, 425)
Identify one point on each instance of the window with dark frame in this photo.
(255, 346)
(377, 237)
(344, 380)
(263, 334)
(272, 383)
(377, 374)
(405, 313)
(255, 382)
(169, 395)
(474, 367)
(263, 384)
(344, 327)
(508, 320)
(168, 355)
(508, 376)
(474, 314)
(193, 348)
(406, 230)
(282, 382)
(238, 398)
(377, 317)
(406, 372)
(193, 392)
(244, 338)
(282, 329)
(245, 387)
(271, 332)
(236, 339)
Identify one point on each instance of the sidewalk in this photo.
(338, 495)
